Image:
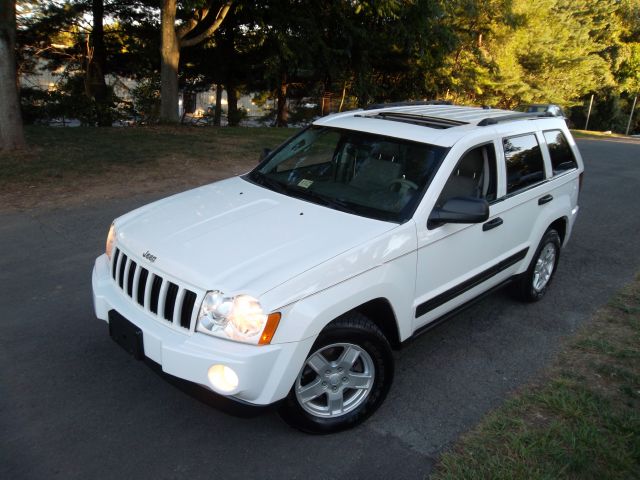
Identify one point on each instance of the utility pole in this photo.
(633, 107)
(589, 113)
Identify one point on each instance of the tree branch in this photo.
(220, 16)
(185, 28)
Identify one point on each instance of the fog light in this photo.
(223, 378)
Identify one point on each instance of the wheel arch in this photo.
(560, 226)
(380, 312)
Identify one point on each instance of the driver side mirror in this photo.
(459, 210)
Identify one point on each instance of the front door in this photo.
(456, 262)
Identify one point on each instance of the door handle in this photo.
(496, 222)
(545, 199)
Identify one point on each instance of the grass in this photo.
(582, 421)
(596, 135)
(71, 152)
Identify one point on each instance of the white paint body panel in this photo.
(312, 263)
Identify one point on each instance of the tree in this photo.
(11, 132)
(95, 84)
(546, 51)
(198, 25)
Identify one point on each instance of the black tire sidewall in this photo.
(375, 344)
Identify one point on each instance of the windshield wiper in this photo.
(268, 182)
(322, 199)
(299, 192)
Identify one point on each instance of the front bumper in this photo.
(265, 373)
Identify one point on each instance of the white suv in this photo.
(294, 282)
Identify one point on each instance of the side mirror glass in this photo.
(460, 210)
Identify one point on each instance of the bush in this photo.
(146, 100)
(69, 101)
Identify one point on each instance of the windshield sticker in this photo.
(304, 183)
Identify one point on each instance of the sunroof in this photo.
(422, 120)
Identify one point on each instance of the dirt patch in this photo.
(170, 174)
(70, 166)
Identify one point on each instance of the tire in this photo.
(534, 283)
(344, 379)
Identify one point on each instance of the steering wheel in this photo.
(405, 185)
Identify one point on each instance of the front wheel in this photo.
(533, 284)
(344, 379)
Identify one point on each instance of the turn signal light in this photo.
(269, 329)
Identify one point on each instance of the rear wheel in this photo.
(344, 379)
(533, 284)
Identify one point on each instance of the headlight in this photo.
(111, 237)
(238, 318)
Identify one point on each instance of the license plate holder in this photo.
(126, 334)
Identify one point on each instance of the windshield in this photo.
(361, 173)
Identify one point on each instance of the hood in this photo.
(238, 237)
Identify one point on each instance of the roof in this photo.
(437, 124)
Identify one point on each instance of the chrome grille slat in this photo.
(136, 279)
(147, 292)
(131, 271)
(162, 297)
(141, 289)
(177, 311)
(154, 293)
(170, 301)
(156, 285)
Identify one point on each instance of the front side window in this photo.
(562, 158)
(525, 166)
(474, 176)
(362, 173)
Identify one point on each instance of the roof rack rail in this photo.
(416, 103)
(511, 117)
(422, 120)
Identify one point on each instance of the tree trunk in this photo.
(96, 86)
(170, 57)
(173, 38)
(11, 133)
(282, 115)
(217, 116)
(232, 106)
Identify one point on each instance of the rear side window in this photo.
(562, 158)
(525, 166)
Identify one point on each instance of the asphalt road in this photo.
(74, 405)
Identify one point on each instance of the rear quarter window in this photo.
(562, 158)
(523, 157)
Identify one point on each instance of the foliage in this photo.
(494, 52)
(146, 100)
(542, 51)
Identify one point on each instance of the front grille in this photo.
(158, 295)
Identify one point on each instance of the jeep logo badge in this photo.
(148, 256)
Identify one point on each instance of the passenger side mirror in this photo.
(264, 154)
(459, 210)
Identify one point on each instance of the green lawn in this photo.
(57, 151)
(596, 135)
(582, 421)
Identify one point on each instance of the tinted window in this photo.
(562, 158)
(474, 176)
(524, 162)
